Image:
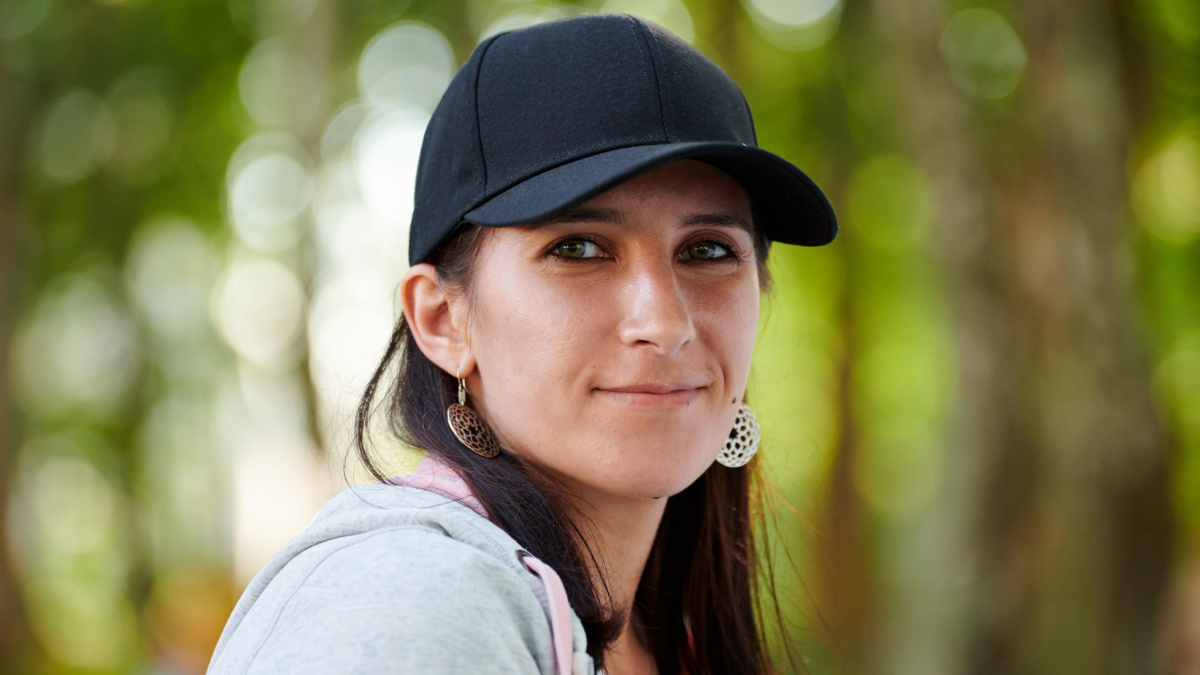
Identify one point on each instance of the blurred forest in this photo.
(980, 405)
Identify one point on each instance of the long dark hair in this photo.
(696, 607)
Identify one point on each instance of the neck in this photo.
(621, 533)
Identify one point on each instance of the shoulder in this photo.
(423, 587)
(422, 570)
(407, 597)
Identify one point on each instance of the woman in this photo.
(588, 247)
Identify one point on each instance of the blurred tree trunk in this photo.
(16, 644)
(848, 590)
(1058, 469)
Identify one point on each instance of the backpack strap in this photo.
(560, 611)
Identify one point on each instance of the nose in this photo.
(658, 313)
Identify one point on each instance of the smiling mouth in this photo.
(653, 394)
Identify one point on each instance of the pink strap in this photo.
(560, 611)
(436, 476)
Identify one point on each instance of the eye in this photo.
(577, 249)
(704, 250)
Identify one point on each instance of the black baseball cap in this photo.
(541, 119)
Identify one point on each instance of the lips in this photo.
(654, 393)
(649, 388)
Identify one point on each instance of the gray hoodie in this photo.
(407, 577)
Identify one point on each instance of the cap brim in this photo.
(791, 208)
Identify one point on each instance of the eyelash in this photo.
(734, 252)
(565, 240)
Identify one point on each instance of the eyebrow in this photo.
(718, 218)
(582, 215)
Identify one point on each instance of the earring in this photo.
(468, 427)
(743, 439)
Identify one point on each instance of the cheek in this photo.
(531, 344)
(728, 325)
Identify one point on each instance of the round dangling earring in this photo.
(743, 439)
(468, 427)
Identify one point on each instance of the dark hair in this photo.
(696, 607)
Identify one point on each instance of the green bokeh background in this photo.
(980, 405)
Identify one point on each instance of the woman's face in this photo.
(612, 344)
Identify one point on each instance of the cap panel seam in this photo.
(749, 114)
(478, 120)
(640, 31)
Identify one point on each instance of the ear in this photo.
(436, 320)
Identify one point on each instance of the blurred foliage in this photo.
(980, 406)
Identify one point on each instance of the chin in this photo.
(650, 487)
(654, 479)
